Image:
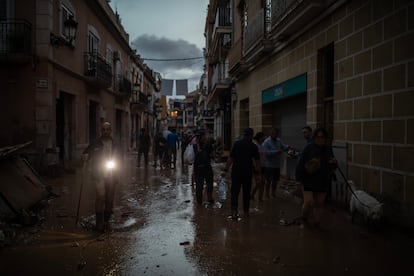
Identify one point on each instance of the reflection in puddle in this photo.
(128, 223)
(167, 234)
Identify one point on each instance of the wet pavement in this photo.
(158, 229)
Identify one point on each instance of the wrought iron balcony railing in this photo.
(15, 37)
(223, 17)
(255, 31)
(139, 97)
(279, 9)
(122, 85)
(97, 68)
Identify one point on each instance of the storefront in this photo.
(285, 105)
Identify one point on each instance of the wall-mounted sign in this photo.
(285, 89)
(42, 83)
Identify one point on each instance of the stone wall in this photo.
(373, 91)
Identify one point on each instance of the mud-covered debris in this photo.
(287, 222)
(2, 236)
(101, 238)
(127, 214)
(185, 243)
(75, 244)
(276, 259)
(81, 265)
(283, 222)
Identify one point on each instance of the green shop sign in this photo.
(285, 89)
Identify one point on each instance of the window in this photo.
(93, 43)
(109, 55)
(66, 13)
(7, 8)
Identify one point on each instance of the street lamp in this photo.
(174, 113)
(69, 34)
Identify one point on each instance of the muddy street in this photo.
(158, 229)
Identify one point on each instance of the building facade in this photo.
(66, 66)
(343, 65)
(218, 32)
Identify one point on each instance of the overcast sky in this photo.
(167, 29)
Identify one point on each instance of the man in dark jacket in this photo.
(103, 155)
(144, 146)
(243, 156)
(203, 172)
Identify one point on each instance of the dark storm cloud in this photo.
(151, 46)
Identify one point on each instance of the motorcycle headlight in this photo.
(110, 164)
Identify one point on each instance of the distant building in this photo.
(65, 67)
(217, 115)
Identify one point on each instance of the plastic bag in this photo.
(222, 187)
(189, 154)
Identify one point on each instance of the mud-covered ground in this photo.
(158, 229)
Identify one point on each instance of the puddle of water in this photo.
(127, 223)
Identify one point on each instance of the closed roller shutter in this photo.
(289, 115)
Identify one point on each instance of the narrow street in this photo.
(157, 229)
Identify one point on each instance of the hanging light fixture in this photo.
(70, 28)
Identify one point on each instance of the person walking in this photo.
(203, 172)
(172, 140)
(144, 146)
(259, 172)
(186, 138)
(273, 148)
(307, 135)
(100, 154)
(243, 156)
(160, 144)
(314, 172)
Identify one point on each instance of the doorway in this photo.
(64, 127)
(93, 109)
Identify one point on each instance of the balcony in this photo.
(123, 86)
(287, 17)
(222, 23)
(15, 41)
(221, 35)
(139, 100)
(256, 41)
(220, 82)
(97, 70)
(237, 64)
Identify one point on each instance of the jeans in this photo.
(240, 180)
